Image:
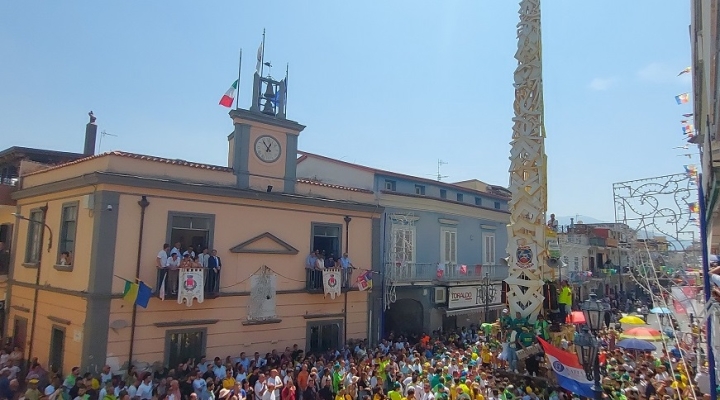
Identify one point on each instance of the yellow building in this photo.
(113, 212)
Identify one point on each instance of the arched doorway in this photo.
(405, 317)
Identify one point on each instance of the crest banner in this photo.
(192, 284)
(332, 279)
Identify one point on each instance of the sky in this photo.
(396, 85)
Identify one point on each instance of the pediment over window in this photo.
(267, 243)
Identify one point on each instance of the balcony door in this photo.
(326, 238)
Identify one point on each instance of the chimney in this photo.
(90, 136)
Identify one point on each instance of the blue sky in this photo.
(391, 84)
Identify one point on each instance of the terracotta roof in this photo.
(328, 185)
(183, 163)
(305, 155)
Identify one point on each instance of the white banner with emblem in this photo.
(332, 282)
(192, 285)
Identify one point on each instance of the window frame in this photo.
(390, 185)
(170, 332)
(444, 231)
(497, 205)
(459, 197)
(173, 214)
(485, 257)
(420, 190)
(443, 193)
(31, 233)
(63, 232)
(478, 201)
(321, 322)
(62, 329)
(332, 225)
(399, 227)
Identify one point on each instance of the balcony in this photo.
(211, 287)
(416, 272)
(314, 280)
(597, 242)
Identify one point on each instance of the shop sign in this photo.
(471, 296)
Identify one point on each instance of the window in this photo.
(443, 194)
(576, 263)
(497, 205)
(489, 248)
(34, 237)
(194, 230)
(390, 185)
(183, 345)
(420, 189)
(459, 197)
(5, 237)
(478, 201)
(326, 239)
(403, 243)
(323, 336)
(68, 229)
(448, 245)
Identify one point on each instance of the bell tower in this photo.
(263, 144)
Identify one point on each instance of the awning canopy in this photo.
(473, 310)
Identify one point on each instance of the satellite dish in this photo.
(579, 222)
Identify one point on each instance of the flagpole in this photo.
(287, 71)
(237, 89)
(262, 56)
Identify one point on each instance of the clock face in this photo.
(267, 149)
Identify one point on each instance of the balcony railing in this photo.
(417, 272)
(314, 280)
(211, 281)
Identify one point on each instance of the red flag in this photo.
(463, 269)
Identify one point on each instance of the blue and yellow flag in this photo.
(137, 293)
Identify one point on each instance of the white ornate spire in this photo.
(528, 171)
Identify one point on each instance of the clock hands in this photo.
(267, 146)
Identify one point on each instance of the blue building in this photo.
(437, 250)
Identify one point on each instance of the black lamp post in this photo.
(487, 293)
(587, 345)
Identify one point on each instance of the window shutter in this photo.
(453, 247)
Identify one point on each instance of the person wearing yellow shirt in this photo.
(228, 382)
(395, 393)
(476, 392)
(565, 300)
(485, 357)
(464, 386)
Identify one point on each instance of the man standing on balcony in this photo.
(214, 265)
(172, 265)
(347, 268)
(161, 264)
(203, 261)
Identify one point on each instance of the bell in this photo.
(269, 92)
(268, 109)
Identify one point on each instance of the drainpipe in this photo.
(347, 250)
(143, 203)
(37, 280)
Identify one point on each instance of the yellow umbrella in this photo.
(632, 320)
(651, 335)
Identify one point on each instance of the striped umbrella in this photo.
(643, 333)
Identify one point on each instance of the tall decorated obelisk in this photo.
(528, 172)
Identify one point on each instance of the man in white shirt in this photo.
(106, 375)
(260, 387)
(172, 265)
(276, 381)
(144, 391)
(427, 393)
(176, 249)
(269, 394)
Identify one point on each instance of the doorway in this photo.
(405, 317)
(57, 348)
(20, 329)
(181, 346)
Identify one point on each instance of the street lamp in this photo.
(587, 345)
(487, 293)
(50, 234)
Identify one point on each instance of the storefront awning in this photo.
(473, 310)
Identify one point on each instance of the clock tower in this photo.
(263, 145)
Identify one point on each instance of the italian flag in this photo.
(229, 96)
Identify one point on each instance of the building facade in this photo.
(439, 242)
(113, 212)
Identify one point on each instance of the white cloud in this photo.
(601, 84)
(657, 72)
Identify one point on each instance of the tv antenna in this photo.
(440, 176)
(102, 135)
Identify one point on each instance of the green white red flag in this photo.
(229, 96)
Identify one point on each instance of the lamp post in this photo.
(487, 293)
(587, 345)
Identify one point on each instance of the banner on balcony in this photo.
(192, 283)
(332, 282)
